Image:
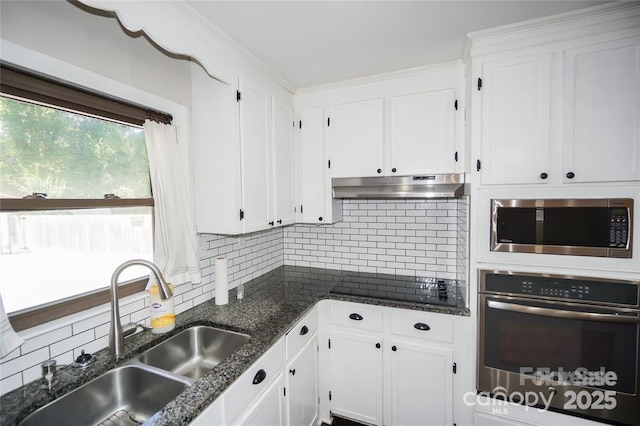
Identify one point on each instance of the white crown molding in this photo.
(216, 32)
(533, 32)
(380, 77)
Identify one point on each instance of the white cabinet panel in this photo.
(282, 161)
(357, 137)
(302, 386)
(316, 202)
(312, 164)
(301, 333)
(356, 376)
(216, 155)
(515, 120)
(602, 112)
(213, 415)
(422, 133)
(254, 381)
(255, 114)
(268, 410)
(421, 385)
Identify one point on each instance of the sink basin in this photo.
(126, 395)
(194, 351)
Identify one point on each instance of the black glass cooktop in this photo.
(401, 288)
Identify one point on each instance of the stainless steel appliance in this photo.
(419, 186)
(579, 227)
(567, 342)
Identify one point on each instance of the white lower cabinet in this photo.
(390, 366)
(421, 385)
(376, 365)
(279, 389)
(356, 376)
(302, 386)
(268, 410)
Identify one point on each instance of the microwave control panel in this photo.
(618, 228)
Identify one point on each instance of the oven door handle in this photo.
(559, 313)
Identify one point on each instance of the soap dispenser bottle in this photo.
(163, 317)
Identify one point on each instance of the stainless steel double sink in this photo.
(131, 393)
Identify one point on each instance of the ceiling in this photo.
(311, 43)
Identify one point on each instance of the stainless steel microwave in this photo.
(581, 227)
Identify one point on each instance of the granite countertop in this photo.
(272, 304)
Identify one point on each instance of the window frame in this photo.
(24, 85)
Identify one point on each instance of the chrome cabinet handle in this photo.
(558, 313)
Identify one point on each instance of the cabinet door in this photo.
(356, 376)
(302, 386)
(314, 185)
(216, 154)
(421, 385)
(357, 137)
(602, 112)
(213, 415)
(268, 410)
(255, 111)
(516, 95)
(282, 188)
(422, 133)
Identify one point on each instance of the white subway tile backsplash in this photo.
(7, 384)
(19, 364)
(46, 339)
(407, 237)
(71, 343)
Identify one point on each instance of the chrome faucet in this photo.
(117, 332)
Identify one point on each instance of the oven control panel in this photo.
(562, 288)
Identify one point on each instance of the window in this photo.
(75, 197)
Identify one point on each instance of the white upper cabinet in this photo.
(357, 135)
(314, 181)
(602, 112)
(216, 154)
(560, 101)
(282, 189)
(404, 123)
(255, 116)
(423, 133)
(516, 97)
(242, 154)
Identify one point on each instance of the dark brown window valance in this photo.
(24, 84)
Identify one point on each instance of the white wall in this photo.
(97, 43)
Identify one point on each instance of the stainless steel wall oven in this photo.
(565, 343)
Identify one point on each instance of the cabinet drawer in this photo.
(356, 316)
(264, 370)
(301, 332)
(422, 325)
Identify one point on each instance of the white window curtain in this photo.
(175, 241)
(9, 340)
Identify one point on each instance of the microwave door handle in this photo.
(558, 313)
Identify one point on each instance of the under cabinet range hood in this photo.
(418, 186)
